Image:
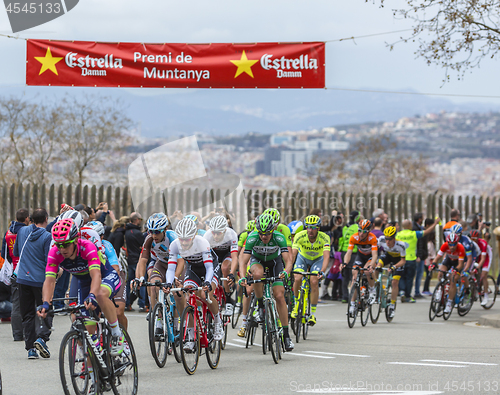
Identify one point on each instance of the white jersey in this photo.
(199, 254)
(226, 246)
(160, 251)
(399, 249)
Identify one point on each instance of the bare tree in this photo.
(456, 34)
(93, 127)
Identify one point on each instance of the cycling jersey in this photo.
(285, 231)
(483, 247)
(459, 252)
(310, 250)
(199, 255)
(158, 250)
(201, 232)
(365, 246)
(467, 243)
(447, 227)
(397, 251)
(242, 238)
(226, 246)
(265, 252)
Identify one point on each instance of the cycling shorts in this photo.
(274, 266)
(112, 282)
(361, 259)
(312, 265)
(388, 260)
(159, 271)
(121, 295)
(449, 263)
(195, 276)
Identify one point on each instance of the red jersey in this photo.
(459, 252)
(483, 246)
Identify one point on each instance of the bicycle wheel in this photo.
(126, 375)
(225, 321)
(298, 319)
(214, 346)
(190, 340)
(465, 304)
(272, 331)
(250, 334)
(177, 341)
(492, 293)
(435, 307)
(387, 294)
(364, 305)
(264, 337)
(445, 302)
(305, 328)
(74, 365)
(376, 307)
(351, 317)
(236, 315)
(158, 344)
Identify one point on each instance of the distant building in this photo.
(290, 163)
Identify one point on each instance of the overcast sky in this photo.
(365, 63)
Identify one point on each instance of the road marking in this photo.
(244, 341)
(363, 391)
(466, 363)
(311, 356)
(235, 345)
(344, 355)
(425, 364)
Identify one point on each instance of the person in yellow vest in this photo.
(410, 237)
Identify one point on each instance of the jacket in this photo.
(117, 238)
(32, 263)
(9, 240)
(422, 251)
(134, 239)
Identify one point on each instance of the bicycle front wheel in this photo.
(435, 309)
(272, 331)
(158, 341)
(298, 319)
(492, 294)
(190, 340)
(126, 375)
(387, 294)
(75, 365)
(353, 313)
(307, 313)
(236, 312)
(364, 305)
(445, 299)
(214, 346)
(465, 304)
(376, 307)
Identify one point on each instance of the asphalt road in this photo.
(411, 355)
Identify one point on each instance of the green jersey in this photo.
(265, 252)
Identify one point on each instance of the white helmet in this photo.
(186, 228)
(74, 215)
(97, 226)
(218, 223)
(157, 221)
(87, 233)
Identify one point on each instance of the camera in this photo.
(487, 223)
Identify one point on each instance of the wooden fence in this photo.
(245, 204)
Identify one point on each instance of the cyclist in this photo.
(154, 258)
(483, 263)
(202, 269)
(265, 249)
(394, 255)
(282, 228)
(311, 248)
(249, 228)
(200, 232)
(366, 257)
(295, 227)
(98, 282)
(224, 242)
(455, 255)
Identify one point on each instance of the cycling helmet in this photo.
(457, 228)
(186, 228)
(452, 238)
(218, 223)
(474, 234)
(312, 220)
(64, 230)
(264, 223)
(273, 213)
(192, 217)
(157, 221)
(364, 225)
(250, 227)
(74, 215)
(390, 231)
(295, 227)
(88, 233)
(97, 226)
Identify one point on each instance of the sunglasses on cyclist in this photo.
(452, 244)
(389, 238)
(65, 244)
(185, 240)
(156, 232)
(312, 227)
(218, 233)
(265, 233)
(364, 231)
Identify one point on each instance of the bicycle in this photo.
(464, 299)
(440, 297)
(87, 365)
(359, 292)
(220, 295)
(272, 332)
(383, 300)
(163, 344)
(252, 323)
(197, 317)
(492, 292)
(238, 308)
(301, 322)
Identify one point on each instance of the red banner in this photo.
(260, 65)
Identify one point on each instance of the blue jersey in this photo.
(467, 243)
(111, 254)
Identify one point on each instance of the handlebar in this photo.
(306, 273)
(192, 289)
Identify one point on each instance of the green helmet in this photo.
(264, 223)
(250, 227)
(273, 213)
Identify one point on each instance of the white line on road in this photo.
(344, 355)
(466, 363)
(235, 345)
(244, 341)
(425, 364)
(311, 356)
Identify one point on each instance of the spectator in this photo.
(377, 227)
(5, 304)
(134, 238)
(410, 237)
(22, 220)
(431, 254)
(117, 234)
(336, 226)
(418, 220)
(347, 232)
(32, 247)
(379, 213)
(333, 275)
(472, 221)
